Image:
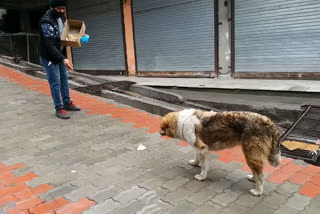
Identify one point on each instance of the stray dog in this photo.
(209, 130)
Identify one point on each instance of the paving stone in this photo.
(248, 200)
(176, 196)
(298, 201)
(83, 181)
(106, 207)
(214, 163)
(220, 185)
(217, 174)
(172, 173)
(152, 183)
(77, 194)
(102, 195)
(153, 195)
(192, 172)
(225, 198)
(128, 195)
(155, 171)
(195, 185)
(175, 183)
(130, 181)
(173, 162)
(309, 211)
(56, 192)
(185, 165)
(91, 161)
(105, 182)
(288, 188)
(157, 207)
(132, 207)
(183, 207)
(314, 204)
(275, 200)
(187, 149)
(236, 175)
(150, 209)
(286, 210)
(232, 166)
(22, 171)
(243, 186)
(201, 197)
(234, 209)
(60, 179)
(207, 208)
(300, 162)
(269, 188)
(260, 209)
(216, 206)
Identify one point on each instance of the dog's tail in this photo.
(275, 154)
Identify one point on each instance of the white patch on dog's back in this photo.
(187, 122)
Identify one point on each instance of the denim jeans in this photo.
(58, 79)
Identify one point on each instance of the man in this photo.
(53, 60)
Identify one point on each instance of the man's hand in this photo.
(68, 64)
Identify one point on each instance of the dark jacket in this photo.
(50, 43)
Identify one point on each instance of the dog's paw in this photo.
(255, 192)
(250, 178)
(200, 177)
(194, 163)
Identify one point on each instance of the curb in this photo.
(157, 94)
(149, 105)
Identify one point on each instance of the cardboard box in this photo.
(293, 145)
(72, 33)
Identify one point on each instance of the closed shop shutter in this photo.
(105, 50)
(174, 35)
(277, 36)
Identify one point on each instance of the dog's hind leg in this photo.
(258, 191)
(196, 161)
(256, 167)
(255, 163)
(203, 160)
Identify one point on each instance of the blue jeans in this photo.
(58, 79)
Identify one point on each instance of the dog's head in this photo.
(169, 124)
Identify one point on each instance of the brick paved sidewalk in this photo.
(90, 163)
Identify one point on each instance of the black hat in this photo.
(57, 3)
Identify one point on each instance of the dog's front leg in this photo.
(196, 161)
(203, 160)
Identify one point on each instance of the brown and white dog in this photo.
(209, 130)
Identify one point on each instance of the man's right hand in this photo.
(68, 64)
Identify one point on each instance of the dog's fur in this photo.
(205, 131)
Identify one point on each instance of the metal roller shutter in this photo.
(174, 35)
(105, 50)
(277, 36)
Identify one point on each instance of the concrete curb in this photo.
(147, 104)
(91, 77)
(157, 94)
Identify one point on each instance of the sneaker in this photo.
(61, 113)
(71, 107)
